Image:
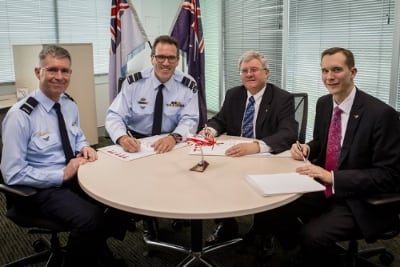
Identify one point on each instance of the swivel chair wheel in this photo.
(39, 245)
(386, 258)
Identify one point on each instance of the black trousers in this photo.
(90, 222)
(312, 222)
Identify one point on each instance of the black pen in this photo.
(301, 150)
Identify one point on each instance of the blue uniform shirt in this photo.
(32, 149)
(133, 107)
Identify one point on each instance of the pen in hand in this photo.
(301, 150)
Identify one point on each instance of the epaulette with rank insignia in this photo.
(134, 77)
(29, 105)
(70, 97)
(190, 84)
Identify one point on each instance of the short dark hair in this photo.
(350, 62)
(55, 51)
(165, 39)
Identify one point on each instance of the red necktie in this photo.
(333, 146)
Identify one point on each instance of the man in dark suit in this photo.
(272, 123)
(367, 163)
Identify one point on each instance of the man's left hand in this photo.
(88, 153)
(164, 144)
(315, 172)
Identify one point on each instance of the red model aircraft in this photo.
(202, 140)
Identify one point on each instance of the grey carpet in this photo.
(16, 243)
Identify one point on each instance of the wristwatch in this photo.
(177, 137)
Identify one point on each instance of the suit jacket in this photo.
(275, 124)
(369, 161)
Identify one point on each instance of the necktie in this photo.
(333, 146)
(64, 135)
(247, 125)
(158, 111)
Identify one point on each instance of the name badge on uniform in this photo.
(177, 104)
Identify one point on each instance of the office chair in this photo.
(301, 114)
(356, 257)
(46, 250)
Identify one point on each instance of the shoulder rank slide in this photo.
(134, 77)
(29, 105)
(70, 97)
(189, 83)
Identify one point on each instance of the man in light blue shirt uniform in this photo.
(33, 155)
(131, 114)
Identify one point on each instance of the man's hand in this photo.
(297, 154)
(129, 144)
(72, 167)
(243, 149)
(88, 153)
(164, 144)
(206, 132)
(316, 172)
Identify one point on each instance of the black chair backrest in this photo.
(301, 114)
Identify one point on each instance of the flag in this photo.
(127, 39)
(188, 31)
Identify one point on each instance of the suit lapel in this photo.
(264, 109)
(352, 125)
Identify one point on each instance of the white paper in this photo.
(283, 183)
(145, 149)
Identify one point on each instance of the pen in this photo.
(301, 150)
(134, 139)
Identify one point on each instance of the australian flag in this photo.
(188, 31)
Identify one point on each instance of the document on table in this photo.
(283, 183)
(221, 146)
(145, 149)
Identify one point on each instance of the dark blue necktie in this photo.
(158, 111)
(69, 154)
(247, 125)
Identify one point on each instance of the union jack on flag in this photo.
(127, 39)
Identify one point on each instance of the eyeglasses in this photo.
(250, 71)
(162, 58)
(54, 71)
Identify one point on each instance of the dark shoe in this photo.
(225, 230)
(260, 244)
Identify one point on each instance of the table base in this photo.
(196, 252)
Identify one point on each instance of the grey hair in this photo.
(54, 51)
(251, 54)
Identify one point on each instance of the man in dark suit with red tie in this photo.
(256, 109)
(355, 152)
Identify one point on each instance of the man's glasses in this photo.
(54, 71)
(250, 71)
(162, 58)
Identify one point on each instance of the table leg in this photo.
(196, 251)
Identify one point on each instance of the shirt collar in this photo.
(257, 96)
(46, 102)
(347, 103)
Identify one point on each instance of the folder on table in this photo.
(283, 183)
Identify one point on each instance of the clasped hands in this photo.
(132, 145)
(87, 154)
(308, 168)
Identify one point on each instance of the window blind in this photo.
(365, 27)
(252, 25)
(53, 21)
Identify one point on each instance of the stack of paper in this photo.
(283, 183)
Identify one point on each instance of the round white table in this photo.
(162, 185)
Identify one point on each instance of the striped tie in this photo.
(247, 126)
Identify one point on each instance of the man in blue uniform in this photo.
(38, 153)
(133, 112)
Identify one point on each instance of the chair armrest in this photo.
(18, 190)
(384, 199)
